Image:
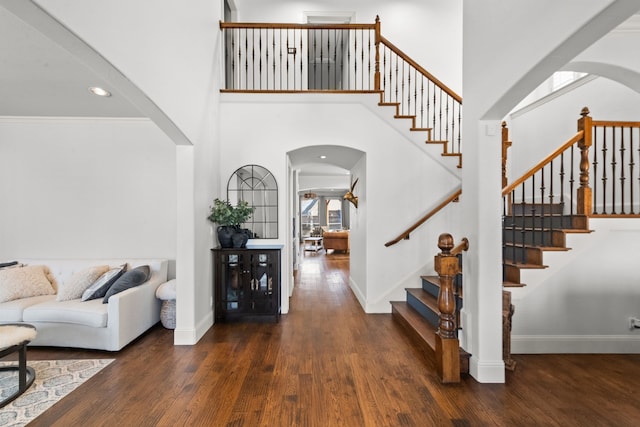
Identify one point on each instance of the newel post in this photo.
(447, 345)
(505, 146)
(376, 75)
(585, 198)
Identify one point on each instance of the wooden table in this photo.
(313, 244)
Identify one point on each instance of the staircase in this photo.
(529, 230)
(431, 313)
(419, 315)
(414, 128)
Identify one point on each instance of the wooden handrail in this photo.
(422, 220)
(256, 25)
(610, 123)
(577, 137)
(424, 72)
(462, 246)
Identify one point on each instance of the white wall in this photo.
(172, 54)
(86, 188)
(429, 31)
(583, 301)
(390, 199)
(536, 132)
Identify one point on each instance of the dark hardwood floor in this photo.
(327, 363)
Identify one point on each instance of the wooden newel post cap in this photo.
(584, 112)
(445, 243)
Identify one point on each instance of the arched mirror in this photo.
(257, 186)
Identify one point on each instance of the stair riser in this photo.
(520, 255)
(417, 305)
(547, 222)
(434, 289)
(539, 208)
(511, 274)
(535, 238)
(430, 288)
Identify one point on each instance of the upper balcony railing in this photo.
(339, 58)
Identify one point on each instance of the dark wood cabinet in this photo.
(246, 284)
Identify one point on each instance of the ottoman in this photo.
(14, 338)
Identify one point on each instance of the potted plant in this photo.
(229, 219)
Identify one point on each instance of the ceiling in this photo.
(40, 78)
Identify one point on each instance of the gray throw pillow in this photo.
(130, 279)
(99, 288)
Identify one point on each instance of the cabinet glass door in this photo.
(232, 276)
(262, 281)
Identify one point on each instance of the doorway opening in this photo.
(328, 51)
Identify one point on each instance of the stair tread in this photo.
(530, 214)
(388, 104)
(421, 129)
(413, 321)
(402, 116)
(508, 284)
(431, 141)
(433, 279)
(526, 266)
(542, 248)
(429, 301)
(548, 230)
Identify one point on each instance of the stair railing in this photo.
(447, 351)
(546, 198)
(421, 95)
(406, 234)
(616, 179)
(339, 58)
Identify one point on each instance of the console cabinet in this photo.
(246, 284)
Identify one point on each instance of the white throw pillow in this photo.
(100, 287)
(24, 282)
(79, 282)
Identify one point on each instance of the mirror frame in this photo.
(256, 185)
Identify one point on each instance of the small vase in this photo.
(225, 235)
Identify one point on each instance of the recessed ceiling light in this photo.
(323, 157)
(99, 91)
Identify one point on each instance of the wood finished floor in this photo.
(328, 364)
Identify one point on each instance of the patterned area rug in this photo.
(54, 380)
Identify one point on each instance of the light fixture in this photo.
(99, 91)
(323, 157)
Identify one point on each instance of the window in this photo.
(309, 215)
(334, 214)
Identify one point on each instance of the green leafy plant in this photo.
(223, 213)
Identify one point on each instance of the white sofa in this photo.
(89, 324)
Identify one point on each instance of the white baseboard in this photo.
(192, 336)
(487, 371)
(547, 344)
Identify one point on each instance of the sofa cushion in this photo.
(130, 279)
(24, 282)
(100, 287)
(89, 313)
(12, 311)
(79, 282)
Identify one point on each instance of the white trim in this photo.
(325, 17)
(192, 336)
(487, 372)
(49, 119)
(599, 344)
